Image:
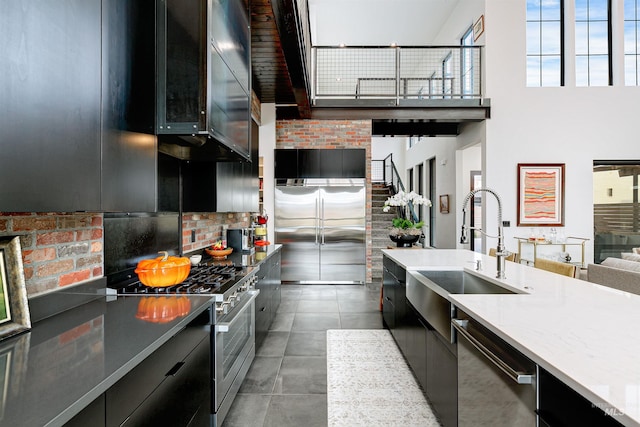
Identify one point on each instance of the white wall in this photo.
(547, 125)
(465, 14)
(443, 149)
(267, 147)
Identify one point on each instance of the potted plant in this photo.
(404, 231)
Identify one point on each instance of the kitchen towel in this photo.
(370, 384)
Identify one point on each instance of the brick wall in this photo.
(58, 249)
(331, 134)
(61, 249)
(208, 227)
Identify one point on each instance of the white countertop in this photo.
(585, 334)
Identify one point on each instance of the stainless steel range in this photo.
(231, 286)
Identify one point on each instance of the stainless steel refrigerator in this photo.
(321, 225)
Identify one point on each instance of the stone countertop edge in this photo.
(572, 328)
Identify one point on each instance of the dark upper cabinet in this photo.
(129, 146)
(354, 163)
(73, 125)
(50, 105)
(319, 163)
(286, 163)
(309, 164)
(331, 164)
(203, 81)
(222, 186)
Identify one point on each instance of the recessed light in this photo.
(394, 44)
(341, 45)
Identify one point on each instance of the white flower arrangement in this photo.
(402, 200)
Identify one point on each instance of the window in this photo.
(447, 77)
(593, 64)
(545, 46)
(616, 208)
(466, 59)
(631, 42)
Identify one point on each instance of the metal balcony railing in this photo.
(397, 73)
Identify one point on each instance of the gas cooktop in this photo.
(205, 278)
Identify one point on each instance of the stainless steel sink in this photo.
(432, 303)
(461, 282)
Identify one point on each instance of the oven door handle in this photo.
(246, 303)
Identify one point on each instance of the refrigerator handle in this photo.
(317, 220)
(322, 219)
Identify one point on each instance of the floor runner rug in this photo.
(370, 384)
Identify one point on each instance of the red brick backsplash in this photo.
(208, 227)
(58, 249)
(61, 249)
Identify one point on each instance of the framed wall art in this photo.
(14, 308)
(478, 28)
(444, 203)
(541, 194)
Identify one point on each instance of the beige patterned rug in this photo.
(370, 384)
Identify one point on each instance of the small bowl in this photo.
(219, 253)
(195, 259)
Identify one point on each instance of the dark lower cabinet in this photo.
(559, 405)
(432, 358)
(442, 378)
(92, 415)
(170, 387)
(268, 301)
(416, 344)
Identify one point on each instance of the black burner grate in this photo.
(202, 279)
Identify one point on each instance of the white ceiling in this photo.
(377, 22)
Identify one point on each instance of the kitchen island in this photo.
(582, 333)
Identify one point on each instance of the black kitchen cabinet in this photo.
(354, 163)
(203, 83)
(172, 386)
(309, 163)
(320, 163)
(92, 415)
(395, 298)
(560, 405)
(74, 115)
(286, 163)
(416, 344)
(442, 378)
(268, 301)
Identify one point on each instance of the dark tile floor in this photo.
(287, 382)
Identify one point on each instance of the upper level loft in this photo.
(405, 90)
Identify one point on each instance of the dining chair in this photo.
(555, 267)
(513, 257)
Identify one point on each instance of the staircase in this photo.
(380, 224)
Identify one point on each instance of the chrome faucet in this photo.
(501, 253)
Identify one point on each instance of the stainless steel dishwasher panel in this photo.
(496, 384)
(436, 309)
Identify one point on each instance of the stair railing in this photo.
(394, 183)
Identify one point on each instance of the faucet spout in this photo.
(501, 253)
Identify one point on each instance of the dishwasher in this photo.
(496, 383)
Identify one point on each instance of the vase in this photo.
(404, 240)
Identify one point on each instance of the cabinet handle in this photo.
(263, 309)
(173, 371)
